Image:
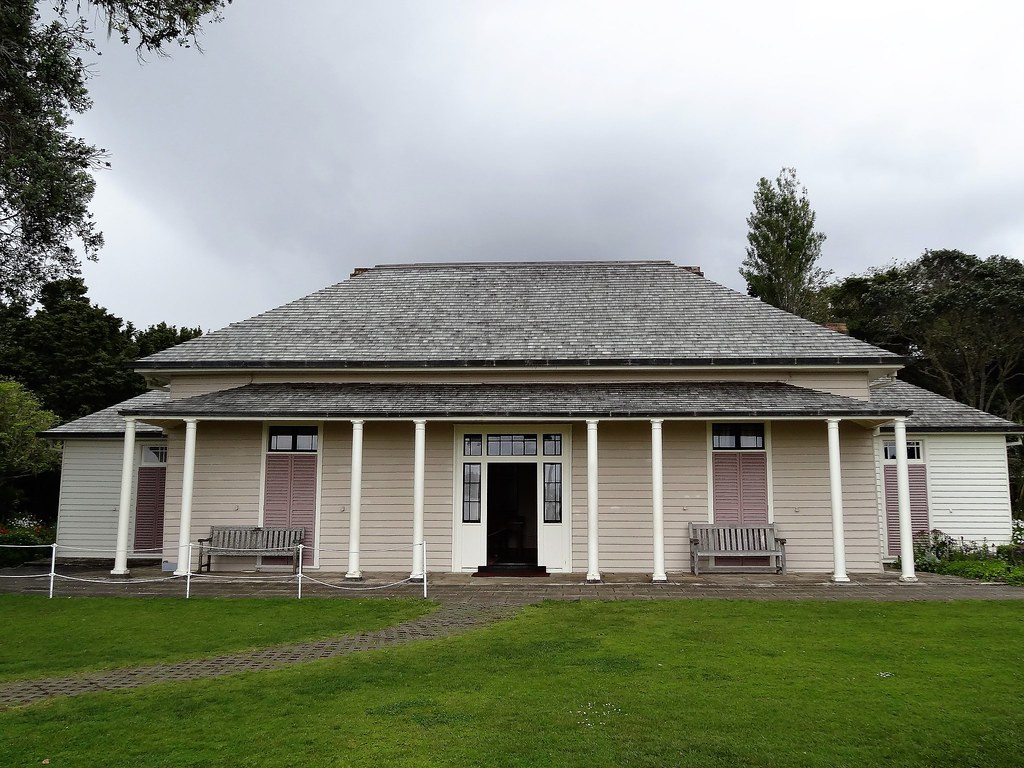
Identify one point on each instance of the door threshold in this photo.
(512, 569)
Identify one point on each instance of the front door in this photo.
(289, 490)
(512, 514)
(739, 476)
(149, 510)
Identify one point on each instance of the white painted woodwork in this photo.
(125, 499)
(835, 477)
(419, 469)
(184, 564)
(903, 502)
(593, 540)
(355, 500)
(658, 499)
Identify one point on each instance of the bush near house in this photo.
(21, 532)
(936, 552)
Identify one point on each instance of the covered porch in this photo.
(635, 463)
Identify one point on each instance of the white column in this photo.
(835, 479)
(124, 507)
(907, 574)
(658, 501)
(187, 480)
(355, 497)
(593, 568)
(417, 500)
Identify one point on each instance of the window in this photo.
(302, 439)
(511, 445)
(472, 445)
(553, 445)
(737, 437)
(913, 450)
(552, 493)
(154, 454)
(471, 493)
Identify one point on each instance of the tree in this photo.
(22, 453)
(781, 262)
(46, 174)
(74, 355)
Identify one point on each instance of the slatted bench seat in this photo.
(240, 541)
(710, 540)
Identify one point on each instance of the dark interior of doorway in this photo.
(512, 520)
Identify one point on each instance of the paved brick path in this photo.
(466, 603)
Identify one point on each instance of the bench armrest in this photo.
(203, 541)
(781, 540)
(695, 541)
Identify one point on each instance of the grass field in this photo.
(593, 684)
(40, 637)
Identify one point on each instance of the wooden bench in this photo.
(710, 540)
(240, 541)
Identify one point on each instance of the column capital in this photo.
(900, 420)
(657, 422)
(420, 423)
(592, 422)
(357, 422)
(191, 421)
(130, 419)
(833, 420)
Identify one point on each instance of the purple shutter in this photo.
(149, 508)
(289, 497)
(725, 480)
(918, 504)
(753, 471)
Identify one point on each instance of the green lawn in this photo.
(40, 637)
(593, 684)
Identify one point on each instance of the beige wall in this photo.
(229, 456)
(851, 383)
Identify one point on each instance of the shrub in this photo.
(986, 570)
(1011, 553)
(23, 536)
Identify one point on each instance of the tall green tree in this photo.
(46, 173)
(75, 355)
(781, 265)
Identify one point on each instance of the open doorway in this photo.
(511, 514)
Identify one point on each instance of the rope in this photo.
(355, 589)
(115, 551)
(113, 581)
(286, 577)
(27, 576)
(25, 546)
(262, 550)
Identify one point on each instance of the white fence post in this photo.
(53, 566)
(424, 545)
(188, 573)
(300, 571)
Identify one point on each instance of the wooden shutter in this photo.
(289, 497)
(753, 472)
(149, 508)
(725, 479)
(918, 504)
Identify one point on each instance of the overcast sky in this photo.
(317, 136)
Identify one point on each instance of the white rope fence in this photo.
(227, 578)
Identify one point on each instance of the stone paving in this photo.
(466, 603)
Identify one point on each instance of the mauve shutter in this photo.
(753, 472)
(918, 504)
(149, 508)
(725, 479)
(277, 491)
(303, 501)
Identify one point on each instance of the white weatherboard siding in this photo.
(90, 489)
(968, 485)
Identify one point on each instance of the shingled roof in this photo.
(521, 314)
(935, 413)
(109, 422)
(680, 399)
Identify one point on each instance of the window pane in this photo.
(305, 442)
(552, 493)
(742, 437)
(293, 439)
(471, 493)
(280, 442)
(511, 445)
(553, 445)
(472, 445)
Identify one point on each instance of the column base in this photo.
(181, 573)
(121, 574)
(354, 576)
(659, 579)
(908, 579)
(840, 578)
(593, 578)
(416, 579)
